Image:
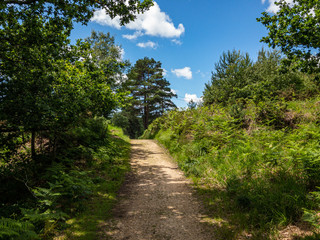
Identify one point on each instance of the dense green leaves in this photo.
(150, 91)
(11, 229)
(26, 65)
(295, 30)
(108, 56)
(236, 78)
(79, 10)
(50, 91)
(230, 75)
(256, 177)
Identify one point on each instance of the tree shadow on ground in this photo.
(87, 224)
(232, 222)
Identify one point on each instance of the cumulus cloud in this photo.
(183, 72)
(273, 8)
(102, 18)
(153, 22)
(133, 36)
(188, 97)
(148, 44)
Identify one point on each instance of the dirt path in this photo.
(156, 201)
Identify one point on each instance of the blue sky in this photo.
(187, 37)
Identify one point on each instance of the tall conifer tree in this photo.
(151, 92)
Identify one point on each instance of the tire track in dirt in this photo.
(156, 201)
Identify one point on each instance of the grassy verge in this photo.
(71, 191)
(97, 210)
(257, 168)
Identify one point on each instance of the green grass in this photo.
(108, 180)
(254, 174)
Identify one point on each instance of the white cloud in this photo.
(188, 97)
(174, 91)
(176, 41)
(165, 72)
(148, 44)
(153, 22)
(273, 8)
(121, 52)
(102, 18)
(183, 72)
(133, 36)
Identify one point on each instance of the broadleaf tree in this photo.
(79, 10)
(295, 30)
(108, 56)
(26, 65)
(34, 38)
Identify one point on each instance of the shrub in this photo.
(11, 229)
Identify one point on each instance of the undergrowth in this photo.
(60, 192)
(257, 165)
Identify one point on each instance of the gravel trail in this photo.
(156, 201)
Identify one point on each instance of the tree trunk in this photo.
(147, 117)
(33, 143)
(145, 109)
(54, 148)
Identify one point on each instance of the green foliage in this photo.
(74, 186)
(26, 87)
(50, 89)
(87, 157)
(64, 194)
(90, 133)
(229, 75)
(107, 176)
(131, 124)
(261, 159)
(80, 11)
(107, 55)
(237, 112)
(192, 104)
(237, 79)
(150, 91)
(295, 31)
(11, 229)
(272, 114)
(50, 95)
(312, 216)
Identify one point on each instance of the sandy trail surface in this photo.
(156, 201)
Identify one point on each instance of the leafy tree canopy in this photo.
(108, 56)
(78, 10)
(237, 78)
(295, 29)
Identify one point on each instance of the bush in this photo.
(11, 229)
(41, 197)
(262, 163)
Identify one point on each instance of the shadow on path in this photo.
(156, 201)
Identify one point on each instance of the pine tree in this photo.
(150, 91)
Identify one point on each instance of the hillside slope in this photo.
(258, 166)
